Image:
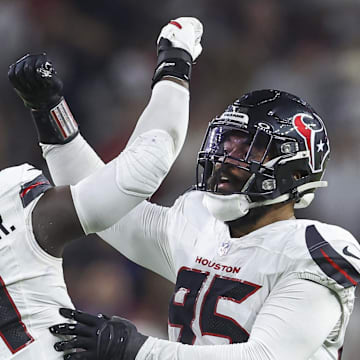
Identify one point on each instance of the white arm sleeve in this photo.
(292, 324)
(168, 110)
(142, 237)
(71, 162)
(106, 196)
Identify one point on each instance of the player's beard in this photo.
(237, 179)
(247, 223)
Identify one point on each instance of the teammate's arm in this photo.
(184, 35)
(294, 322)
(139, 170)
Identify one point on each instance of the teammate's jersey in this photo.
(223, 282)
(32, 286)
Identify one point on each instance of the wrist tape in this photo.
(55, 126)
(174, 62)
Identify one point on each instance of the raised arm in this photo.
(110, 192)
(178, 44)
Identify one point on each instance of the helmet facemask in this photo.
(258, 161)
(276, 163)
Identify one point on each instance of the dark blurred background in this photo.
(105, 53)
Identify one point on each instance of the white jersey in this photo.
(32, 286)
(223, 282)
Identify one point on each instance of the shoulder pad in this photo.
(14, 176)
(25, 180)
(335, 251)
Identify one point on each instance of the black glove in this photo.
(36, 82)
(101, 337)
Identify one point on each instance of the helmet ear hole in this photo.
(297, 175)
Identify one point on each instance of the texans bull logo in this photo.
(312, 130)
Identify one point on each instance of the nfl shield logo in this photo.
(224, 248)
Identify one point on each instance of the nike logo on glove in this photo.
(348, 253)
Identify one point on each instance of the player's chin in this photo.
(225, 189)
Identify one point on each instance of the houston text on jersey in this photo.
(217, 266)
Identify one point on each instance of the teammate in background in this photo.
(251, 281)
(37, 220)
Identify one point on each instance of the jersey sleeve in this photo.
(330, 256)
(142, 236)
(335, 254)
(22, 187)
(151, 235)
(33, 184)
(326, 254)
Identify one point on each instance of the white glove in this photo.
(184, 33)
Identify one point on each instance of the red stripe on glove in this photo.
(173, 22)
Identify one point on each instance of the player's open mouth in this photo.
(224, 184)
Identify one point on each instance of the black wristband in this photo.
(174, 62)
(55, 126)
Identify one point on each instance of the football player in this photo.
(250, 280)
(37, 219)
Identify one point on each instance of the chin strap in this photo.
(235, 206)
(226, 207)
(306, 199)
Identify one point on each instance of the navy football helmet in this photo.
(292, 136)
